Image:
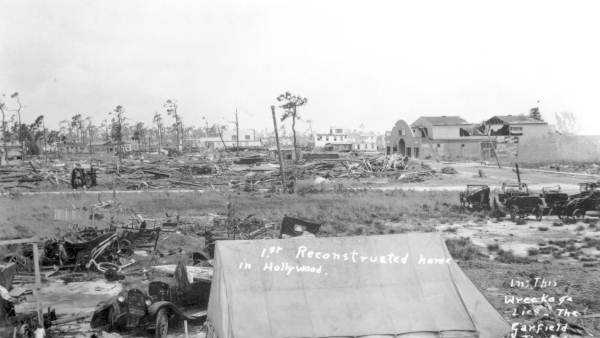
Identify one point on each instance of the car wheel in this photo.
(539, 212)
(578, 213)
(162, 324)
(514, 212)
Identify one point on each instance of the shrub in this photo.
(463, 249)
(493, 247)
(509, 257)
(533, 251)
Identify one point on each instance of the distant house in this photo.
(12, 149)
(337, 139)
(522, 126)
(365, 141)
(227, 139)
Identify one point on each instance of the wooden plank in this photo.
(38, 284)
(19, 241)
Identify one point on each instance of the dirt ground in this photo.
(567, 253)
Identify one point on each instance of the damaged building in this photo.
(453, 138)
(439, 137)
(523, 126)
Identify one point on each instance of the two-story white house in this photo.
(336, 139)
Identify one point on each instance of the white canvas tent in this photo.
(377, 286)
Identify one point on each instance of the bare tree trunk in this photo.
(4, 137)
(294, 135)
(159, 139)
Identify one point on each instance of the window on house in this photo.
(326, 138)
(247, 137)
(334, 138)
(438, 145)
(462, 145)
(339, 131)
(401, 132)
(319, 138)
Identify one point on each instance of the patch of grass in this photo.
(509, 257)
(340, 212)
(589, 242)
(520, 221)
(451, 230)
(463, 249)
(493, 247)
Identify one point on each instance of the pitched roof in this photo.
(513, 119)
(443, 120)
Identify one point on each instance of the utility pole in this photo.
(21, 145)
(44, 130)
(281, 172)
(237, 131)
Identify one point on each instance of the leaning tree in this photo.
(290, 104)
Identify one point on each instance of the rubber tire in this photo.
(578, 214)
(162, 324)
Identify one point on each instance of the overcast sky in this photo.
(368, 62)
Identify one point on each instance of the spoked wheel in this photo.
(514, 212)
(539, 212)
(578, 214)
(162, 324)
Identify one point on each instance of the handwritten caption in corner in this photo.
(270, 263)
(540, 301)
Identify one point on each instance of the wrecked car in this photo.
(579, 204)
(522, 206)
(134, 310)
(475, 197)
(81, 178)
(554, 199)
(512, 189)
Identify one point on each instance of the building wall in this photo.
(445, 132)
(533, 130)
(463, 150)
(403, 141)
